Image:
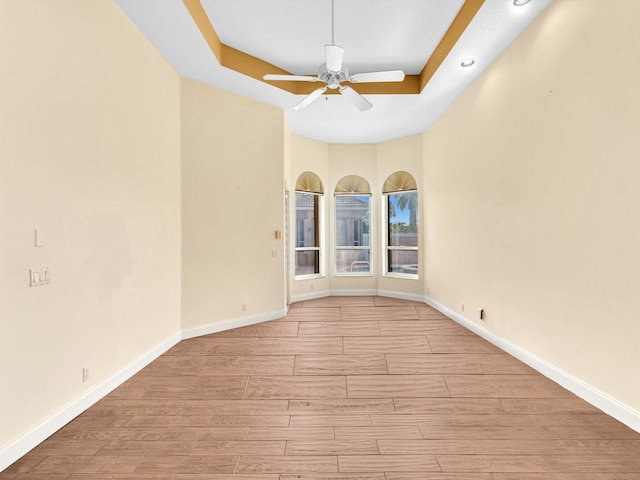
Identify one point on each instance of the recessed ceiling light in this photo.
(519, 3)
(468, 62)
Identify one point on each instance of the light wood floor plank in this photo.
(247, 365)
(434, 327)
(388, 463)
(480, 406)
(538, 463)
(341, 406)
(376, 433)
(334, 476)
(386, 386)
(219, 388)
(339, 329)
(292, 387)
(117, 406)
(332, 447)
(214, 346)
(469, 344)
(535, 432)
(504, 386)
(452, 363)
(145, 447)
(291, 433)
(310, 314)
(340, 301)
(510, 447)
(565, 476)
(391, 302)
(439, 476)
(70, 447)
(387, 344)
(366, 364)
(532, 406)
(287, 464)
(174, 365)
(267, 329)
(379, 313)
(342, 388)
(172, 476)
(231, 407)
(300, 346)
(425, 311)
(247, 447)
(331, 420)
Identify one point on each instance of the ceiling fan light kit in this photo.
(333, 72)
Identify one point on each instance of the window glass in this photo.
(401, 236)
(403, 219)
(307, 235)
(353, 238)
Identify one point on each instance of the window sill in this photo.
(309, 277)
(354, 274)
(405, 276)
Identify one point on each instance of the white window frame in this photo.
(337, 247)
(320, 235)
(387, 248)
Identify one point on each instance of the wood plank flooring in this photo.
(342, 388)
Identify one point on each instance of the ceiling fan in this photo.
(333, 72)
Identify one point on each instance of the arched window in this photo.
(353, 217)
(309, 190)
(401, 214)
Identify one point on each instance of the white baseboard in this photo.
(310, 296)
(401, 295)
(610, 406)
(27, 442)
(353, 293)
(356, 293)
(232, 323)
(595, 397)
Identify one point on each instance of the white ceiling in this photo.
(376, 34)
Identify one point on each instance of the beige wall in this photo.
(404, 154)
(313, 156)
(233, 202)
(352, 160)
(528, 200)
(373, 162)
(89, 155)
(532, 180)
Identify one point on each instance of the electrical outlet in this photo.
(244, 307)
(311, 287)
(462, 307)
(85, 374)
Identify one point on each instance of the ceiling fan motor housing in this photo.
(331, 78)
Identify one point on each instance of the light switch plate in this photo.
(39, 238)
(39, 276)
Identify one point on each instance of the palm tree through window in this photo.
(402, 224)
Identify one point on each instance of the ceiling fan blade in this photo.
(291, 78)
(388, 76)
(334, 56)
(308, 100)
(354, 97)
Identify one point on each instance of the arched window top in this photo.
(353, 184)
(309, 182)
(399, 182)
